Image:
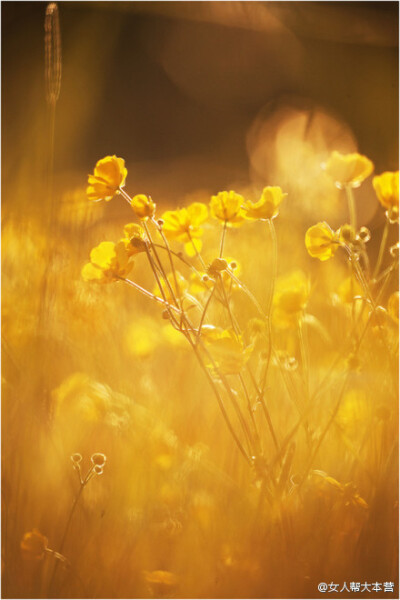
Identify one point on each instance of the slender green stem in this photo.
(274, 268)
(326, 429)
(197, 253)
(220, 401)
(171, 262)
(352, 206)
(203, 316)
(382, 248)
(221, 248)
(150, 295)
(64, 537)
(304, 351)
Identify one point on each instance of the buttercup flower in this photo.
(321, 241)
(386, 187)
(108, 262)
(348, 169)
(227, 207)
(183, 225)
(134, 239)
(143, 206)
(267, 206)
(290, 298)
(109, 175)
(33, 545)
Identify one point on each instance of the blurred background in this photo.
(201, 94)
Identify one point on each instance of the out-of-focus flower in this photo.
(321, 241)
(227, 207)
(178, 284)
(134, 239)
(143, 337)
(353, 412)
(143, 206)
(267, 206)
(109, 175)
(348, 169)
(393, 306)
(183, 225)
(108, 262)
(348, 289)
(290, 299)
(80, 399)
(386, 187)
(227, 349)
(33, 545)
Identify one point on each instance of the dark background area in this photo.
(174, 87)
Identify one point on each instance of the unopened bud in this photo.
(364, 234)
(394, 251)
(347, 234)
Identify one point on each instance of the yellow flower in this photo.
(290, 299)
(33, 545)
(143, 337)
(267, 206)
(386, 187)
(108, 262)
(227, 207)
(348, 169)
(227, 349)
(321, 241)
(393, 306)
(183, 225)
(143, 206)
(348, 289)
(109, 175)
(134, 239)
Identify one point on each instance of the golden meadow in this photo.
(200, 400)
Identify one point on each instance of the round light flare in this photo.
(288, 144)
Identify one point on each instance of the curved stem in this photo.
(352, 207)
(221, 248)
(382, 248)
(272, 232)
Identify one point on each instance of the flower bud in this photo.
(364, 234)
(218, 265)
(347, 234)
(98, 459)
(394, 251)
(76, 458)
